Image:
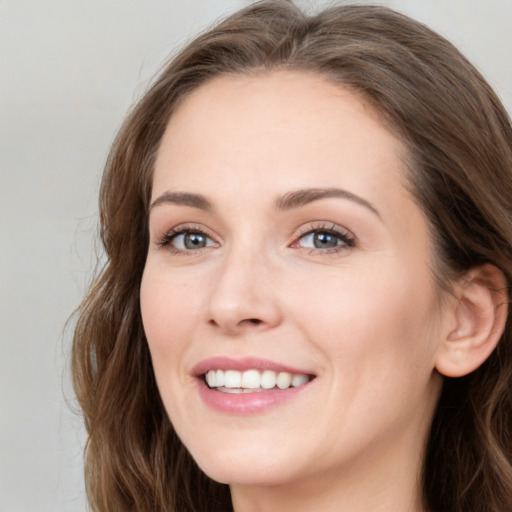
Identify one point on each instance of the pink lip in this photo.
(242, 364)
(244, 403)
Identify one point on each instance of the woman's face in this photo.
(285, 247)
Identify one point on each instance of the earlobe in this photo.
(477, 321)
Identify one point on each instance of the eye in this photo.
(320, 240)
(184, 239)
(329, 239)
(191, 241)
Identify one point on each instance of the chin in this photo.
(255, 464)
(257, 475)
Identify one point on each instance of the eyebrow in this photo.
(289, 201)
(183, 199)
(302, 197)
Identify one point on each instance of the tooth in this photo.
(232, 379)
(219, 378)
(268, 379)
(299, 380)
(251, 379)
(284, 379)
(210, 379)
(234, 390)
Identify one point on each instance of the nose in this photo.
(243, 296)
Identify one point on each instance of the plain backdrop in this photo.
(69, 70)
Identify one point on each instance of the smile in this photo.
(249, 385)
(253, 381)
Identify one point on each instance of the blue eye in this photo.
(332, 238)
(185, 239)
(320, 240)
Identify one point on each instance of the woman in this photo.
(308, 227)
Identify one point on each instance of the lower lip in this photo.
(246, 403)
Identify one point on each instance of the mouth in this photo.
(253, 380)
(248, 385)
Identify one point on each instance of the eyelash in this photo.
(346, 238)
(168, 237)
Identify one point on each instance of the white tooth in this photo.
(219, 378)
(247, 390)
(228, 390)
(268, 379)
(251, 379)
(232, 379)
(210, 379)
(284, 379)
(299, 380)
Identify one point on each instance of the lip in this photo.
(241, 364)
(245, 403)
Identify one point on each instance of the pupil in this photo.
(194, 241)
(325, 240)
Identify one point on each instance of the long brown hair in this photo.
(459, 141)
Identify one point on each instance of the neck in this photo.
(389, 482)
(326, 497)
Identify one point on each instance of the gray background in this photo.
(69, 71)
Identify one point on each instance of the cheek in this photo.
(170, 312)
(369, 324)
(378, 339)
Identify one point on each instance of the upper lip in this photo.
(242, 364)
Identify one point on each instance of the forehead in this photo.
(276, 131)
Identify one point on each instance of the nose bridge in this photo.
(241, 295)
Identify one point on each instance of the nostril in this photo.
(247, 321)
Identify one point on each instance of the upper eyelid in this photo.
(326, 226)
(167, 235)
(189, 228)
(346, 236)
(305, 229)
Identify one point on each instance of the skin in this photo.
(364, 318)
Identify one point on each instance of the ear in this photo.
(477, 321)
